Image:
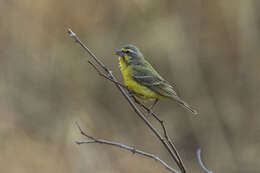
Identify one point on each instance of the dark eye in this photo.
(127, 51)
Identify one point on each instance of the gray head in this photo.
(130, 54)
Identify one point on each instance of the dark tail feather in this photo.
(185, 105)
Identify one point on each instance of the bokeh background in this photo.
(209, 48)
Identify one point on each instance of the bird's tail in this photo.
(185, 105)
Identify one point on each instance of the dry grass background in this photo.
(210, 49)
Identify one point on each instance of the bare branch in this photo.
(73, 35)
(123, 146)
(201, 163)
(83, 133)
(132, 104)
(180, 162)
(105, 76)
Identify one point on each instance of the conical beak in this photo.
(119, 52)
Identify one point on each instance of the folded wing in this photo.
(147, 76)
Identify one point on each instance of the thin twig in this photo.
(169, 140)
(126, 147)
(135, 108)
(76, 38)
(201, 163)
(83, 133)
(110, 79)
(105, 76)
(181, 164)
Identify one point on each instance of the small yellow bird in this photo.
(141, 78)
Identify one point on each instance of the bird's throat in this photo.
(122, 63)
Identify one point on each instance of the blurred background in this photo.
(210, 49)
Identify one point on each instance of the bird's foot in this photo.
(150, 108)
(130, 94)
(149, 111)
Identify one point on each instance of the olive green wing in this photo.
(147, 76)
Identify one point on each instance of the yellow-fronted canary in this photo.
(143, 80)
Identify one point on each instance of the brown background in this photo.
(209, 48)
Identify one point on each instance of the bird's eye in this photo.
(127, 51)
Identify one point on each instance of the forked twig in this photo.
(105, 76)
(164, 131)
(123, 146)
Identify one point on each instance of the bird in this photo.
(143, 81)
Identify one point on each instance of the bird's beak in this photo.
(119, 53)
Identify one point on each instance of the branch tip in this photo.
(77, 125)
(71, 33)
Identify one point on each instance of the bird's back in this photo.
(146, 75)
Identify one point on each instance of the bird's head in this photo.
(130, 54)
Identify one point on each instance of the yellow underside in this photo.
(142, 91)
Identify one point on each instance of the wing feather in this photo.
(147, 76)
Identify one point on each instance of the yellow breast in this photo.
(132, 84)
